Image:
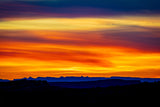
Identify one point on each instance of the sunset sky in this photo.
(95, 38)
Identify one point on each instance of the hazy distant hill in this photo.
(91, 82)
(67, 79)
(81, 79)
(140, 79)
(94, 84)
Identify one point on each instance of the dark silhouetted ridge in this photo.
(101, 91)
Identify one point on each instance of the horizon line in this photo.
(76, 77)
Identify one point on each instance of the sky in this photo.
(95, 38)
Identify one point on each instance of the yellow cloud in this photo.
(79, 24)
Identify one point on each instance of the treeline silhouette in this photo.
(31, 90)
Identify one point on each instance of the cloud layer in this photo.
(79, 37)
(76, 8)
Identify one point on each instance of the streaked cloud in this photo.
(79, 37)
(80, 24)
(58, 53)
(77, 8)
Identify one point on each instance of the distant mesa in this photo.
(83, 79)
(68, 79)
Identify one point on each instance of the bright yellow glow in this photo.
(85, 24)
(57, 24)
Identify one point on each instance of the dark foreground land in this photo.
(27, 91)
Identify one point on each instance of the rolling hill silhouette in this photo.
(94, 84)
(81, 79)
(84, 92)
